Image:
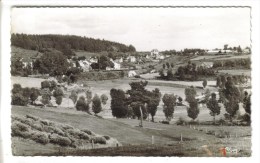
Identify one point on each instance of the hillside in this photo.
(67, 43)
(135, 140)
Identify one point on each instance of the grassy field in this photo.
(166, 137)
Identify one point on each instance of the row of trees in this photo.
(65, 43)
(188, 72)
(24, 96)
(83, 104)
(236, 79)
(231, 63)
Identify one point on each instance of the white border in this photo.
(6, 155)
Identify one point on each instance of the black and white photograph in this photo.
(131, 81)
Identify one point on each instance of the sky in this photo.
(144, 28)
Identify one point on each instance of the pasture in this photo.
(190, 140)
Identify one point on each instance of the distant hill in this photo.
(67, 44)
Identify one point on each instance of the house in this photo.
(132, 73)
(206, 64)
(117, 66)
(213, 52)
(85, 65)
(131, 59)
(246, 51)
(154, 52)
(93, 60)
(119, 60)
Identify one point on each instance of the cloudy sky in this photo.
(145, 28)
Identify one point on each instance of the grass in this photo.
(137, 141)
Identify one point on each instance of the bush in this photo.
(81, 104)
(181, 121)
(96, 104)
(88, 132)
(76, 133)
(40, 137)
(60, 140)
(32, 117)
(107, 137)
(37, 126)
(19, 99)
(51, 129)
(19, 129)
(99, 140)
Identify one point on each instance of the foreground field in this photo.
(147, 141)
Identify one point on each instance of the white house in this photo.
(213, 52)
(93, 60)
(85, 65)
(131, 58)
(154, 52)
(117, 66)
(132, 73)
(206, 64)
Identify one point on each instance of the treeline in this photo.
(65, 43)
(188, 72)
(243, 63)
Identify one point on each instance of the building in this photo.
(85, 65)
(117, 66)
(132, 73)
(206, 64)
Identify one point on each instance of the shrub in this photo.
(104, 99)
(19, 129)
(181, 121)
(19, 99)
(58, 99)
(99, 140)
(32, 117)
(37, 126)
(74, 96)
(60, 140)
(96, 104)
(51, 129)
(76, 133)
(107, 137)
(65, 127)
(81, 104)
(40, 137)
(88, 132)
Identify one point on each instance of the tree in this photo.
(161, 73)
(104, 62)
(172, 65)
(104, 99)
(193, 110)
(247, 102)
(154, 100)
(231, 98)
(169, 74)
(180, 100)
(89, 96)
(207, 95)
(34, 94)
(190, 93)
(239, 50)
(218, 82)
(45, 84)
(58, 94)
(52, 63)
(46, 96)
(204, 83)
(169, 101)
(96, 104)
(118, 103)
(81, 104)
(167, 64)
(164, 66)
(74, 96)
(138, 97)
(225, 46)
(19, 99)
(213, 106)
